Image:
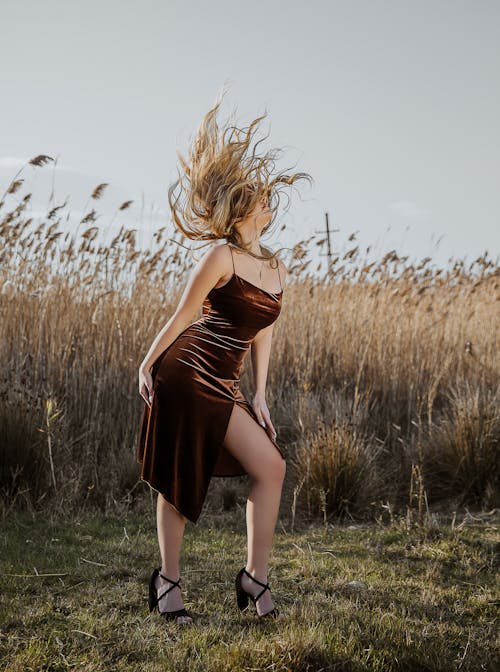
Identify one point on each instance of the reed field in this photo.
(377, 372)
(383, 387)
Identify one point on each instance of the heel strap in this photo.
(266, 585)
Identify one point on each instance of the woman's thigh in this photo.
(251, 446)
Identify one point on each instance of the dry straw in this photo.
(396, 365)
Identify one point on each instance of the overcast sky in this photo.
(393, 106)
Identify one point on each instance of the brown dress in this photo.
(195, 387)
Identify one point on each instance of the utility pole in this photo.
(329, 246)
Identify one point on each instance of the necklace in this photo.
(260, 266)
(260, 271)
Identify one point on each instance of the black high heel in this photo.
(154, 598)
(242, 595)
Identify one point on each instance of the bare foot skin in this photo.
(172, 601)
(265, 601)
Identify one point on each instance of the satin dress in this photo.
(195, 387)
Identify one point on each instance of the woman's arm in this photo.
(207, 272)
(260, 351)
(261, 347)
(214, 264)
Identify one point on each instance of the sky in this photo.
(393, 107)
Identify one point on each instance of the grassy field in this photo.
(74, 596)
(386, 400)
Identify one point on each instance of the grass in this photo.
(386, 403)
(74, 596)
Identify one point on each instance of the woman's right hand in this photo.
(146, 385)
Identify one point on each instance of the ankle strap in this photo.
(174, 584)
(266, 585)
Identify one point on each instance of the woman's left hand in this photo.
(259, 405)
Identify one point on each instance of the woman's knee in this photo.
(274, 469)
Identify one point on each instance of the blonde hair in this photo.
(222, 182)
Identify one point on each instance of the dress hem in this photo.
(189, 517)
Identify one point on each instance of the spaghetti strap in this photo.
(232, 257)
(279, 276)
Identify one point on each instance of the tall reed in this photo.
(396, 365)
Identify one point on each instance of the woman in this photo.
(196, 423)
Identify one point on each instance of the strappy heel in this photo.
(242, 595)
(154, 598)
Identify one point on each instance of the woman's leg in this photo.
(252, 447)
(170, 525)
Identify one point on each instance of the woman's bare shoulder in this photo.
(216, 255)
(282, 267)
(217, 251)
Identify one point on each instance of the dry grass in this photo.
(73, 595)
(396, 365)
